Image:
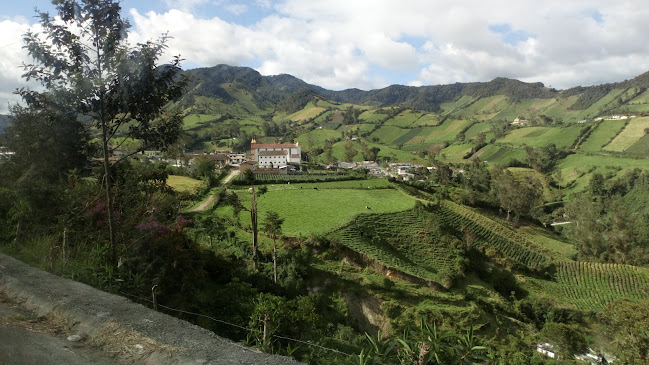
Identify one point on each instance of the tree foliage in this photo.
(83, 60)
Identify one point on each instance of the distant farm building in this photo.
(275, 155)
(521, 122)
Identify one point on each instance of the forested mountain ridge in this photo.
(208, 81)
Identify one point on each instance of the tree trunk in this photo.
(275, 260)
(253, 218)
(65, 243)
(109, 194)
(265, 334)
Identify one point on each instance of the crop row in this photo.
(591, 286)
(410, 248)
(490, 234)
(303, 178)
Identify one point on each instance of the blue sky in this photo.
(371, 44)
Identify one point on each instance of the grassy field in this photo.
(427, 120)
(183, 183)
(371, 116)
(641, 147)
(308, 211)
(579, 168)
(543, 136)
(602, 135)
(500, 154)
(404, 119)
(456, 152)
(197, 120)
(317, 137)
(306, 113)
(387, 134)
(630, 135)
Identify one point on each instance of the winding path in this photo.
(210, 199)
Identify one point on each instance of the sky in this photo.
(370, 44)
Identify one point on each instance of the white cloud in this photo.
(185, 5)
(12, 56)
(366, 43)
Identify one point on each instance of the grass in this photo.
(633, 132)
(388, 133)
(306, 113)
(456, 152)
(307, 211)
(404, 119)
(500, 154)
(543, 136)
(427, 120)
(183, 183)
(580, 167)
(641, 147)
(317, 137)
(604, 132)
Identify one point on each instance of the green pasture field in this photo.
(392, 153)
(370, 116)
(183, 183)
(456, 152)
(306, 113)
(404, 119)
(388, 133)
(410, 134)
(559, 109)
(477, 128)
(308, 211)
(427, 120)
(580, 167)
(446, 132)
(362, 128)
(323, 117)
(452, 107)
(602, 135)
(543, 136)
(500, 154)
(317, 137)
(197, 120)
(633, 132)
(641, 147)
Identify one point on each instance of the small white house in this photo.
(546, 349)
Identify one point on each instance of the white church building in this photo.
(275, 155)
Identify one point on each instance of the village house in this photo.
(236, 159)
(275, 155)
(521, 122)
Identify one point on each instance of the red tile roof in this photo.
(285, 145)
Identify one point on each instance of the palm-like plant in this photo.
(468, 351)
(436, 345)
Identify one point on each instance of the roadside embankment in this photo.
(128, 331)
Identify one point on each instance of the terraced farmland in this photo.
(490, 235)
(412, 248)
(589, 287)
(543, 136)
(602, 135)
(633, 132)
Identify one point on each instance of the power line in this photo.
(238, 326)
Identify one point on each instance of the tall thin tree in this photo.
(273, 227)
(83, 55)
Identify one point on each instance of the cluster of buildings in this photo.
(275, 157)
